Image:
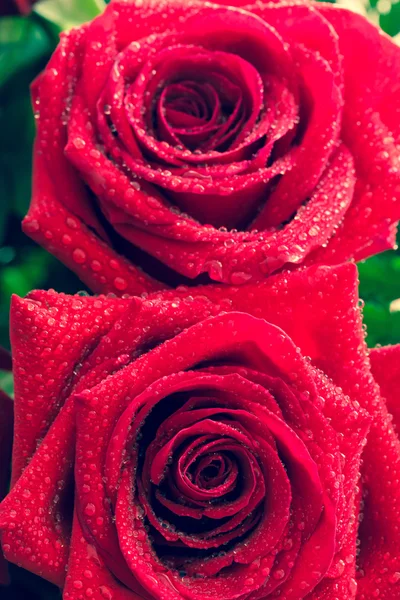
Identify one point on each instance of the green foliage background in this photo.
(25, 46)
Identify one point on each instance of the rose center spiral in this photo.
(200, 114)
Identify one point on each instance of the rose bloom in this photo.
(207, 445)
(203, 141)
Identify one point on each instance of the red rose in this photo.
(6, 431)
(208, 458)
(199, 139)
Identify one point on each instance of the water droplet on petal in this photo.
(79, 143)
(90, 509)
(240, 277)
(66, 239)
(78, 585)
(95, 265)
(395, 578)
(32, 226)
(120, 283)
(279, 574)
(79, 255)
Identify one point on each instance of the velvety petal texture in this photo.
(182, 141)
(200, 444)
(381, 565)
(6, 435)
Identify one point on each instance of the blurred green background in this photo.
(26, 43)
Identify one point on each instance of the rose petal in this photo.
(24, 515)
(380, 529)
(6, 434)
(45, 360)
(376, 205)
(385, 364)
(58, 230)
(88, 575)
(32, 535)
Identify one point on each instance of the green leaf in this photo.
(22, 42)
(30, 272)
(7, 383)
(65, 14)
(16, 118)
(383, 326)
(390, 20)
(380, 289)
(380, 277)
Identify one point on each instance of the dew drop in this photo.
(79, 143)
(129, 194)
(79, 256)
(105, 592)
(66, 239)
(279, 574)
(32, 226)
(78, 585)
(120, 283)
(71, 223)
(353, 586)
(395, 578)
(90, 509)
(313, 231)
(95, 265)
(240, 277)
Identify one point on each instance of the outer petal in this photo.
(61, 216)
(35, 517)
(6, 416)
(51, 335)
(385, 363)
(88, 577)
(324, 295)
(381, 565)
(6, 436)
(371, 130)
(61, 233)
(49, 344)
